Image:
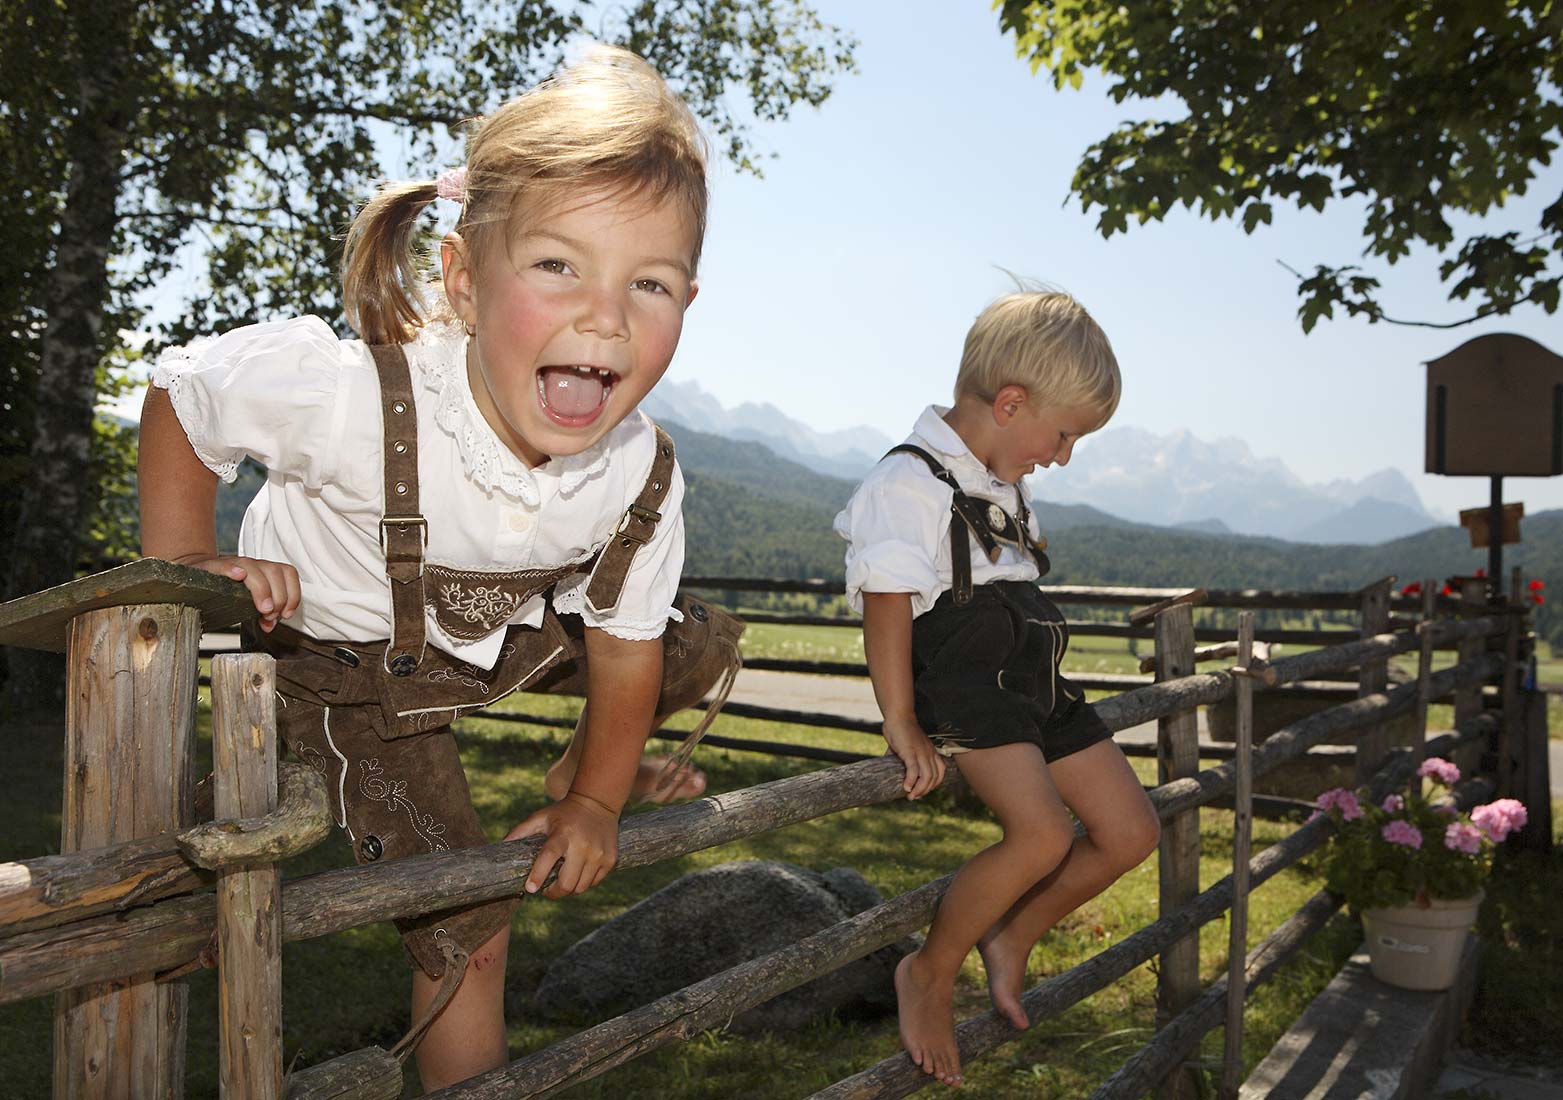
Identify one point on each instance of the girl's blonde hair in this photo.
(607, 123)
(1045, 341)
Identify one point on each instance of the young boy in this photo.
(964, 654)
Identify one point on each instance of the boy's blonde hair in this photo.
(1045, 341)
(607, 123)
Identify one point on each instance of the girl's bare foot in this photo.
(1005, 963)
(926, 1012)
(687, 782)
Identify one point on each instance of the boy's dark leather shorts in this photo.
(987, 674)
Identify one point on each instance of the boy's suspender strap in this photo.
(636, 527)
(404, 533)
(960, 544)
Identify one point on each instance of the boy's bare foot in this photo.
(926, 1012)
(1005, 963)
(688, 782)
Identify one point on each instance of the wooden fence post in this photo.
(129, 733)
(1468, 700)
(1424, 672)
(1242, 844)
(249, 899)
(1373, 743)
(1177, 755)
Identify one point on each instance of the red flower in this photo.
(1481, 572)
(1536, 586)
(1446, 591)
(1415, 589)
(1538, 598)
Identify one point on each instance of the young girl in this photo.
(544, 493)
(964, 654)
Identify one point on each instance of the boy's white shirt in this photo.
(897, 524)
(306, 405)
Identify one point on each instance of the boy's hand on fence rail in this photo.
(273, 585)
(583, 839)
(924, 765)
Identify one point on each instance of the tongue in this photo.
(571, 393)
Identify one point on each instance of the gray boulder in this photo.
(714, 919)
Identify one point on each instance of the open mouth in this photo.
(575, 396)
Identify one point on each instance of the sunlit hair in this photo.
(1045, 341)
(605, 124)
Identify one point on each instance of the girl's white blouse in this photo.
(306, 406)
(897, 524)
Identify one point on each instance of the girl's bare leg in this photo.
(688, 782)
(468, 1037)
(1013, 781)
(1121, 830)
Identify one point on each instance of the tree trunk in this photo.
(49, 511)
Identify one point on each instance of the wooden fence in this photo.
(111, 923)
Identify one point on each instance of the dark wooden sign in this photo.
(1495, 409)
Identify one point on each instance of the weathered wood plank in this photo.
(1177, 757)
(40, 620)
(54, 890)
(1372, 677)
(172, 932)
(129, 736)
(368, 1074)
(249, 899)
(1242, 847)
(1468, 700)
(300, 820)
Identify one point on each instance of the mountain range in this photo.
(1137, 476)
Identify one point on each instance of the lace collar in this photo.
(440, 354)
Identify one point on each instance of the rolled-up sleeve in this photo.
(273, 392)
(893, 530)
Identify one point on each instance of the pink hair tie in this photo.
(452, 184)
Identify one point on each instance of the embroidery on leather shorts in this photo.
(393, 795)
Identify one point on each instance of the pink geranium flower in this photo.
(1402, 832)
(1459, 837)
(1439, 770)
(1339, 798)
(1394, 804)
(1498, 819)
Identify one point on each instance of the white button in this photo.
(520, 521)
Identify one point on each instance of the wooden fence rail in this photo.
(91, 919)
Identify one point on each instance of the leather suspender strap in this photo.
(636, 527)
(960, 540)
(404, 533)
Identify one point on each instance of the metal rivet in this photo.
(403, 665)
(371, 848)
(398, 407)
(697, 612)
(346, 656)
(399, 447)
(656, 486)
(401, 488)
(666, 452)
(624, 542)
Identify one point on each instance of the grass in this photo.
(349, 990)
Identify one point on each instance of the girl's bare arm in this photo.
(178, 513)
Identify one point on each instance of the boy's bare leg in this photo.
(688, 782)
(1121, 830)
(1013, 781)
(468, 1037)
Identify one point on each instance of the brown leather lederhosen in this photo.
(374, 717)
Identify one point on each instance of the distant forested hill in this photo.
(751, 513)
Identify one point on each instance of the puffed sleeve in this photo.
(646, 601)
(274, 392)
(894, 525)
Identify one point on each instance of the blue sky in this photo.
(839, 287)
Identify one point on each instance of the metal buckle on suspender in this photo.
(401, 523)
(644, 515)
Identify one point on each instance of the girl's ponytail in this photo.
(380, 278)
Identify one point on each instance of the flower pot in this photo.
(1416, 948)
